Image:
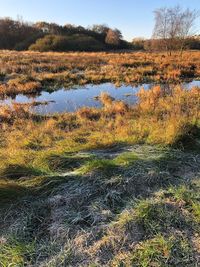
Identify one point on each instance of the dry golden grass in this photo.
(30, 72)
(158, 118)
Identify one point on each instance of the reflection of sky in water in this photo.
(71, 100)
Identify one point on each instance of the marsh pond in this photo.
(71, 99)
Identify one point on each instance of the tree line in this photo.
(174, 30)
(44, 36)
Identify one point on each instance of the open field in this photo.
(29, 72)
(115, 186)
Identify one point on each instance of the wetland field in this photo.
(99, 159)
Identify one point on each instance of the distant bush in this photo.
(76, 42)
(24, 45)
(193, 43)
(138, 43)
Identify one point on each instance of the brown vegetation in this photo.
(30, 72)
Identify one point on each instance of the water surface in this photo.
(70, 100)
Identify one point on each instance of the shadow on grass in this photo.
(110, 184)
(65, 162)
(129, 174)
(11, 192)
(99, 196)
(189, 141)
(16, 171)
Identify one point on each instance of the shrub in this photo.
(76, 42)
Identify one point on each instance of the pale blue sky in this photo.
(133, 17)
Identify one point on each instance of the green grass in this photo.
(162, 228)
(159, 216)
(16, 253)
(107, 166)
(172, 251)
(189, 197)
(103, 165)
(125, 159)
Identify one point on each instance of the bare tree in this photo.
(173, 26)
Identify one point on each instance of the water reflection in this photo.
(70, 100)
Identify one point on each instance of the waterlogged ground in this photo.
(70, 100)
(109, 187)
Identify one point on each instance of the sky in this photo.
(133, 17)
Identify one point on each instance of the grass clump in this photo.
(109, 165)
(125, 159)
(157, 217)
(104, 165)
(188, 197)
(14, 252)
(163, 251)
